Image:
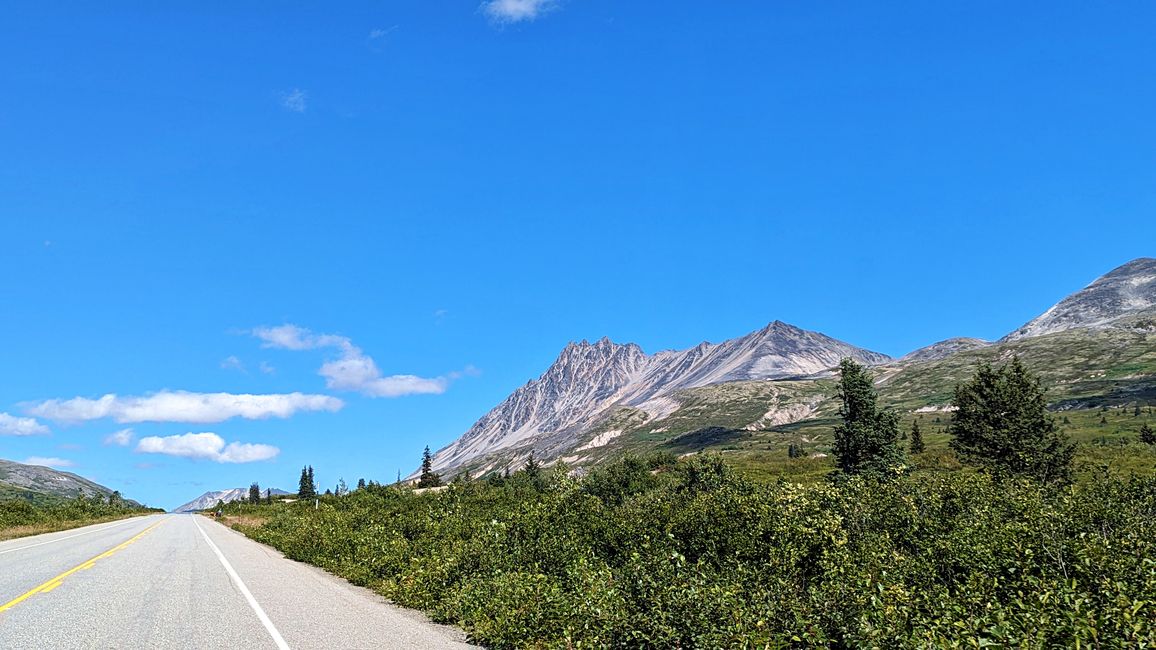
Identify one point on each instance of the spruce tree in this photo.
(360, 484)
(305, 489)
(428, 477)
(268, 496)
(867, 441)
(1001, 425)
(917, 445)
(533, 467)
(254, 494)
(312, 482)
(1147, 435)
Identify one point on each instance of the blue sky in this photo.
(451, 191)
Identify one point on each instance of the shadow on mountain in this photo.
(706, 437)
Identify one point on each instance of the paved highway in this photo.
(184, 581)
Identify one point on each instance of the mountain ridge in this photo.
(587, 380)
(603, 398)
(210, 498)
(37, 481)
(1125, 290)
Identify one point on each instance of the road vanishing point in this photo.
(185, 581)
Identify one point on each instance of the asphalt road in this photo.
(184, 581)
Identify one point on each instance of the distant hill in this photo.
(35, 483)
(210, 499)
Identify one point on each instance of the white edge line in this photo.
(61, 539)
(244, 590)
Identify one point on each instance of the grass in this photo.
(16, 532)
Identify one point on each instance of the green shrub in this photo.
(658, 553)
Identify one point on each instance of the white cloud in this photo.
(48, 461)
(266, 368)
(206, 446)
(353, 370)
(515, 11)
(122, 438)
(295, 100)
(11, 425)
(233, 363)
(183, 406)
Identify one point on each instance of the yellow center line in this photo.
(53, 583)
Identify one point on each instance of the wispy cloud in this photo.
(295, 100)
(183, 406)
(233, 363)
(516, 11)
(11, 425)
(206, 446)
(353, 370)
(48, 461)
(379, 33)
(266, 368)
(122, 438)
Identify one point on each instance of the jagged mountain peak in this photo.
(1125, 290)
(589, 379)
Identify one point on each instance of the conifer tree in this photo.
(305, 488)
(428, 477)
(867, 441)
(533, 467)
(360, 484)
(268, 496)
(254, 494)
(917, 446)
(1147, 435)
(1001, 425)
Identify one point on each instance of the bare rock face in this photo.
(589, 379)
(1126, 291)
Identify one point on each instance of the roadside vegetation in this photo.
(993, 541)
(21, 517)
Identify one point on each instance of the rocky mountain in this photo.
(756, 395)
(210, 499)
(1125, 291)
(943, 349)
(35, 481)
(589, 381)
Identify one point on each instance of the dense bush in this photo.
(657, 553)
(61, 513)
